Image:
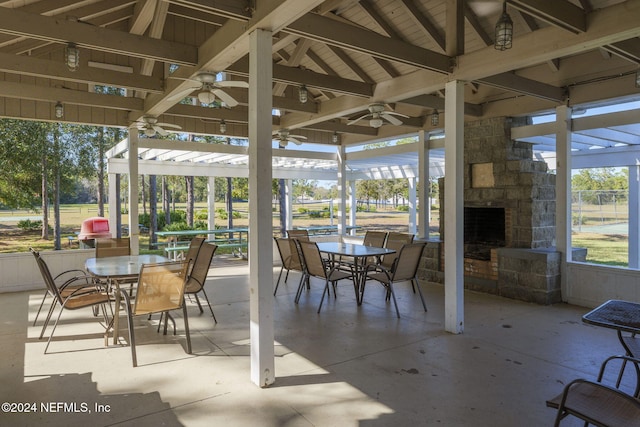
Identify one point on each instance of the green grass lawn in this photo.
(607, 249)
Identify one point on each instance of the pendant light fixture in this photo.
(504, 30)
(72, 56)
(59, 110)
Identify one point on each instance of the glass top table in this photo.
(359, 253)
(118, 269)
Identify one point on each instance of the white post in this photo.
(453, 203)
(424, 203)
(113, 204)
(634, 217)
(211, 203)
(342, 191)
(412, 205)
(353, 205)
(134, 232)
(563, 193)
(260, 225)
(289, 204)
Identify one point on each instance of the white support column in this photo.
(211, 202)
(563, 192)
(288, 204)
(424, 203)
(453, 207)
(134, 232)
(634, 217)
(342, 191)
(412, 205)
(260, 223)
(353, 205)
(113, 204)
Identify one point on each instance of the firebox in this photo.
(484, 229)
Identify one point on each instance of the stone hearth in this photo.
(509, 214)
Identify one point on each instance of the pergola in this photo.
(417, 58)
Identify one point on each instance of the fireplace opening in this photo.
(484, 229)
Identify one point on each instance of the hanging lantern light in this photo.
(72, 56)
(335, 138)
(223, 126)
(435, 118)
(303, 94)
(59, 109)
(504, 30)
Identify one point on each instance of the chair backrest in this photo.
(116, 246)
(395, 241)
(200, 268)
(192, 253)
(160, 287)
(302, 235)
(375, 238)
(407, 262)
(297, 262)
(46, 276)
(284, 249)
(313, 259)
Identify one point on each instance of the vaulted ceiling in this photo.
(348, 54)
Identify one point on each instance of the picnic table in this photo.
(326, 229)
(178, 241)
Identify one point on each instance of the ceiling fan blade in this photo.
(231, 83)
(350, 122)
(168, 125)
(295, 141)
(183, 93)
(225, 97)
(297, 136)
(391, 119)
(396, 114)
(160, 130)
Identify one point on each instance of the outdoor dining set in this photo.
(140, 284)
(148, 284)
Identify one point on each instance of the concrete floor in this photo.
(347, 366)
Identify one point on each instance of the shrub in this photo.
(202, 215)
(177, 226)
(28, 225)
(403, 208)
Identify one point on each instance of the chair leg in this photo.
(198, 302)
(417, 285)
(300, 286)
(206, 297)
(132, 337)
(46, 321)
(393, 295)
(278, 282)
(186, 327)
(326, 290)
(44, 297)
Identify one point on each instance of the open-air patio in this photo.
(347, 366)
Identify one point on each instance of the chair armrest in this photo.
(598, 404)
(77, 271)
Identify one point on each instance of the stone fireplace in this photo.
(509, 218)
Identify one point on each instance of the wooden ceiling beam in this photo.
(19, 23)
(423, 22)
(516, 83)
(297, 76)
(351, 37)
(559, 13)
(30, 66)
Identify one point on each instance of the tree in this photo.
(23, 156)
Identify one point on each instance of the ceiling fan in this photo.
(284, 137)
(377, 116)
(150, 126)
(210, 88)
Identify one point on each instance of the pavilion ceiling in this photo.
(347, 53)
